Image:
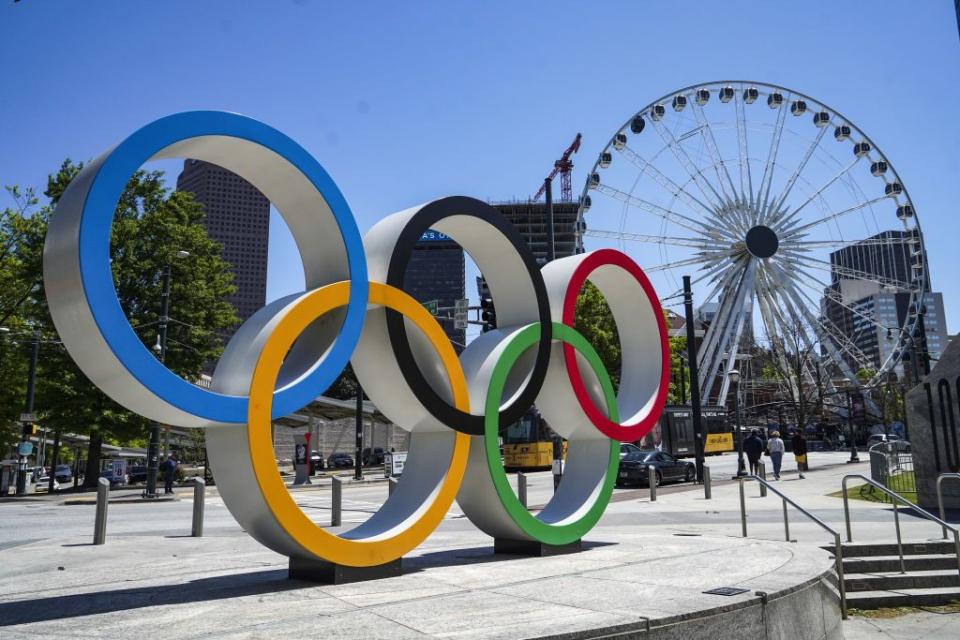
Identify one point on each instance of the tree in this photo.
(594, 320)
(150, 225)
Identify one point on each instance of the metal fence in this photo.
(891, 464)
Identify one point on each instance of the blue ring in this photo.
(94, 258)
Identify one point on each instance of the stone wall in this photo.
(933, 416)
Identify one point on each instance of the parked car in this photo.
(64, 473)
(896, 441)
(372, 457)
(316, 462)
(634, 468)
(115, 479)
(339, 460)
(627, 448)
(137, 473)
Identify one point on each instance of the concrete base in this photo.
(323, 572)
(623, 585)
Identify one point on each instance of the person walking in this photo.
(775, 448)
(800, 452)
(753, 447)
(169, 472)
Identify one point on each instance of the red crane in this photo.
(563, 166)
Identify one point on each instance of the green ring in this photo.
(527, 522)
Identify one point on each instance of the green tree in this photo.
(594, 320)
(151, 224)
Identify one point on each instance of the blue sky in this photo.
(405, 102)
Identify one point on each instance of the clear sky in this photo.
(405, 102)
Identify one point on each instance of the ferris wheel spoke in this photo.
(851, 273)
(696, 175)
(668, 185)
(695, 243)
(690, 224)
(832, 330)
(796, 174)
(705, 259)
(827, 340)
(746, 179)
(764, 195)
(806, 245)
(706, 131)
(791, 234)
(727, 325)
(784, 223)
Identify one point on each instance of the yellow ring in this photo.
(313, 539)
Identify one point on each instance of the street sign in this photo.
(432, 306)
(393, 462)
(460, 309)
(24, 448)
(27, 417)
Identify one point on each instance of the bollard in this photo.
(652, 481)
(762, 472)
(522, 489)
(391, 486)
(336, 502)
(199, 500)
(100, 520)
(707, 489)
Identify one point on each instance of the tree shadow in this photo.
(203, 589)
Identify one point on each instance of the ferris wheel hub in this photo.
(762, 241)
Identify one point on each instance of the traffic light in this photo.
(488, 313)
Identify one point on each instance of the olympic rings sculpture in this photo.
(354, 309)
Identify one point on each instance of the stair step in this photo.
(903, 598)
(890, 581)
(864, 549)
(891, 564)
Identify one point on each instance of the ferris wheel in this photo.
(792, 224)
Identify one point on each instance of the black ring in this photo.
(421, 221)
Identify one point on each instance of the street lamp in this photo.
(734, 377)
(160, 349)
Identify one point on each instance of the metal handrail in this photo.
(943, 513)
(837, 545)
(896, 516)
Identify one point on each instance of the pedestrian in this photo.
(800, 452)
(753, 447)
(775, 448)
(169, 472)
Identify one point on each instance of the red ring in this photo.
(614, 430)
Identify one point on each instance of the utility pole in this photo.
(28, 423)
(551, 256)
(357, 469)
(153, 448)
(694, 378)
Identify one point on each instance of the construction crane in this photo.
(563, 166)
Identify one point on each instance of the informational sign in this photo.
(301, 458)
(393, 462)
(27, 417)
(119, 468)
(460, 309)
(433, 236)
(24, 449)
(432, 306)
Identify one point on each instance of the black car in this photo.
(339, 460)
(137, 474)
(372, 457)
(316, 462)
(634, 468)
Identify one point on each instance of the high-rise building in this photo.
(238, 217)
(530, 220)
(436, 273)
(868, 299)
